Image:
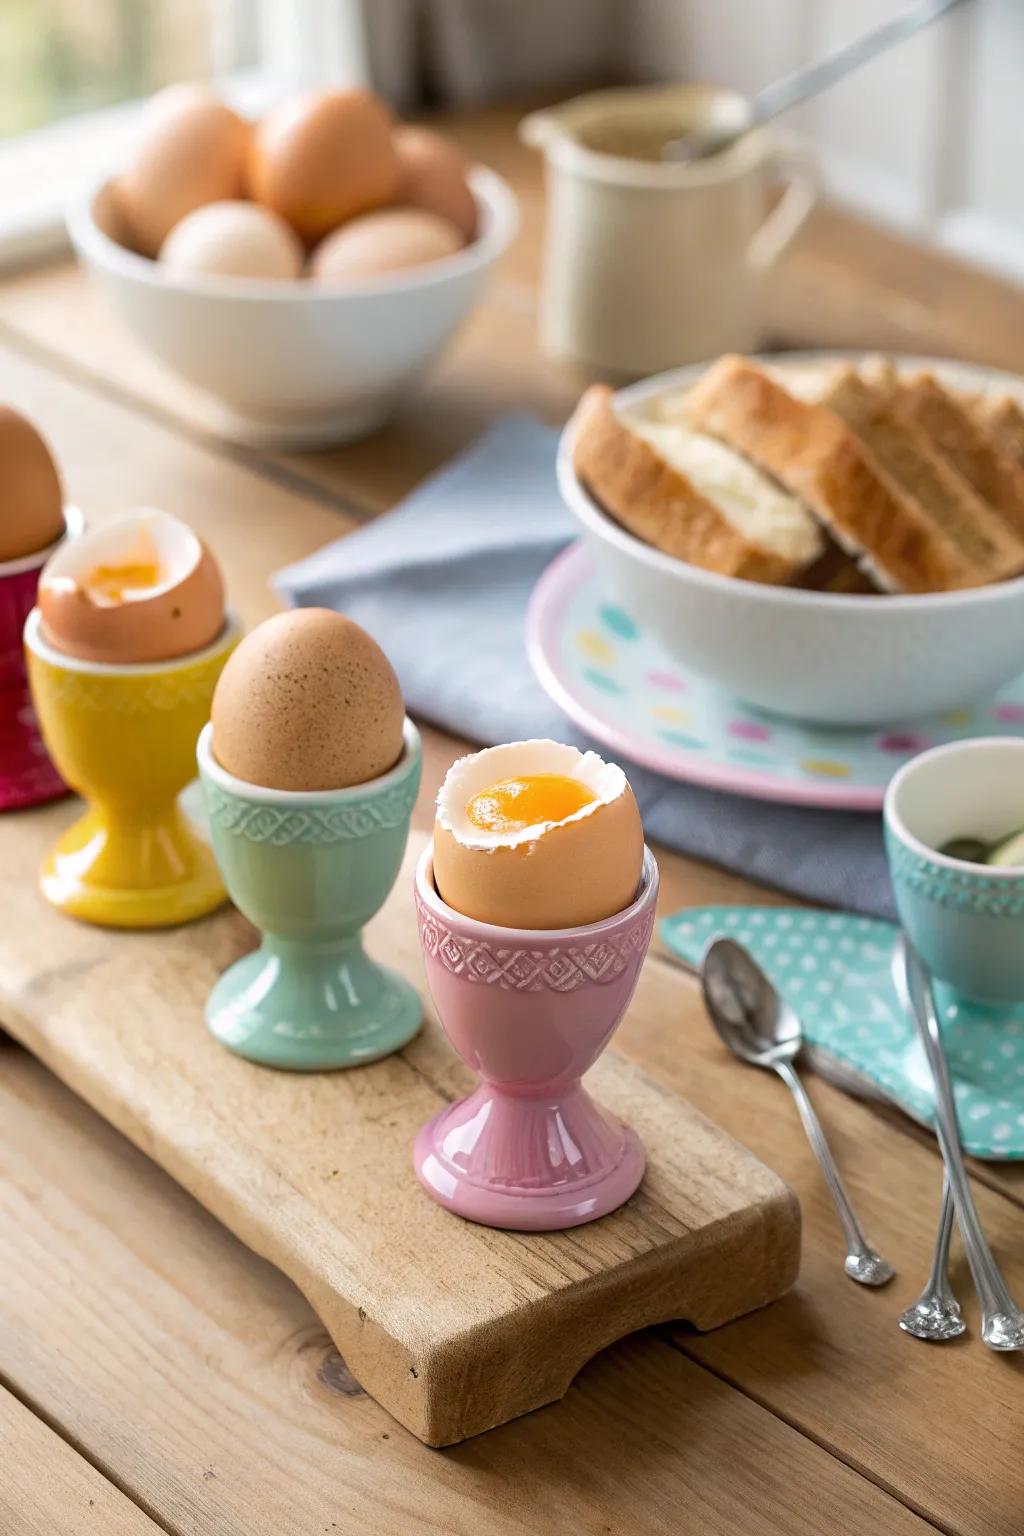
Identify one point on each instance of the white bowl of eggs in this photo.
(305, 270)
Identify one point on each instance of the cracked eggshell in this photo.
(562, 874)
(179, 612)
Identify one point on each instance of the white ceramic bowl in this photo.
(820, 656)
(296, 364)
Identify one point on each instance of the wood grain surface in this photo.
(46, 1487)
(453, 1327)
(192, 1375)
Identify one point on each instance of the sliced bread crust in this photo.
(1003, 417)
(974, 453)
(813, 453)
(881, 413)
(654, 499)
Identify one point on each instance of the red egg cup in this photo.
(27, 777)
(530, 1010)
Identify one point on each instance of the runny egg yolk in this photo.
(110, 584)
(515, 804)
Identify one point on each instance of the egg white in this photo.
(469, 775)
(175, 546)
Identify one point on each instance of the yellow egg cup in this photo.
(125, 738)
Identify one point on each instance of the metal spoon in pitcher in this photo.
(761, 1028)
(804, 83)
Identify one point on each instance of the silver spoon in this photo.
(807, 82)
(935, 1315)
(1002, 1321)
(761, 1028)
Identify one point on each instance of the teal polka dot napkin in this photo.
(835, 971)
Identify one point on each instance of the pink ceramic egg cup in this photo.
(27, 777)
(530, 1010)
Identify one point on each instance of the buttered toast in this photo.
(814, 454)
(690, 496)
(829, 476)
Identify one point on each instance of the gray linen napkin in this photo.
(442, 583)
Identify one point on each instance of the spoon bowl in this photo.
(759, 1027)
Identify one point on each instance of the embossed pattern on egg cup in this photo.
(309, 870)
(27, 776)
(124, 736)
(530, 1010)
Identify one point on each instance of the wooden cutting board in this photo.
(454, 1328)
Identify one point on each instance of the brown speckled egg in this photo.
(308, 701)
(433, 176)
(192, 151)
(31, 499)
(323, 157)
(381, 243)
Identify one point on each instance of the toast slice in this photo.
(836, 571)
(814, 454)
(886, 418)
(1002, 417)
(973, 452)
(690, 496)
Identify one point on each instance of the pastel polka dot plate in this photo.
(834, 969)
(615, 682)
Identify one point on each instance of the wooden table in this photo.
(156, 1376)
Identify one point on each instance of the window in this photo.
(74, 74)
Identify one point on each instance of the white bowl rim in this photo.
(493, 195)
(298, 799)
(899, 829)
(606, 528)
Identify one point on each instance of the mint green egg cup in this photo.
(309, 871)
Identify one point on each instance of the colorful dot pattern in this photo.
(609, 665)
(834, 969)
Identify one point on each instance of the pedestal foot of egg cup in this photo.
(530, 1010)
(124, 736)
(27, 776)
(309, 870)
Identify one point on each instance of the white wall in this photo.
(929, 138)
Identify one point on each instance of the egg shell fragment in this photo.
(192, 150)
(562, 875)
(31, 498)
(182, 614)
(308, 701)
(434, 176)
(323, 157)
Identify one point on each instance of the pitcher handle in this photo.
(798, 166)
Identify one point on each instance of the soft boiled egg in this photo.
(143, 588)
(308, 701)
(537, 835)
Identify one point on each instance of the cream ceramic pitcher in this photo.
(650, 264)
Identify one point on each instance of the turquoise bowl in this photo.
(309, 870)
(966, 921)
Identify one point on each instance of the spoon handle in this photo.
(812, 78)
(1002, 1321)
(862, 1262)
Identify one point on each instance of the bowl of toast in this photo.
(830, 538)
